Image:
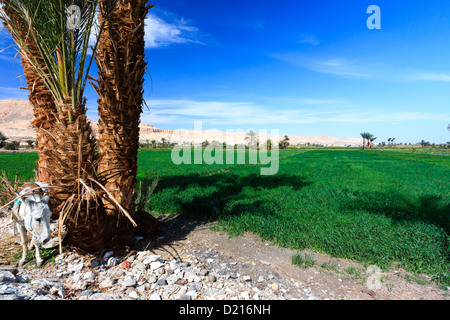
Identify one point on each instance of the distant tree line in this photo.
(14, 145)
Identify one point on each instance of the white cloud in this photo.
(173, 112)
(159, 33)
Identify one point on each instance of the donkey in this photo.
(32, 213)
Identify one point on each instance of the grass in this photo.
(385, 208)
(21, 164)
(303, 260)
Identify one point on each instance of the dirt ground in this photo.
(328, 278)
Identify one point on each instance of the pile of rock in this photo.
(147, 276)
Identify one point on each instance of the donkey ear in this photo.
(46, 198)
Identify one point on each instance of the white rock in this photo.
(172, 279)
(90, 276)
(104, 296)
(107, 283)
(155, 265)
(151, 258)
(245, 295)
(174, 264)
(129, 281)
(112, 262)
(155, 296)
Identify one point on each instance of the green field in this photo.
(385, 208)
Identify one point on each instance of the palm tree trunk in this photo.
(72, 153)
(40, 97)
(121, 64)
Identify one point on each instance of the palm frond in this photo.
(64, 50)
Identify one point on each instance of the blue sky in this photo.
(303, 67)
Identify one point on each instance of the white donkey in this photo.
(31, 213)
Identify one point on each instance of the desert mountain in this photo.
(16, 116)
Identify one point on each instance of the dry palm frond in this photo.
(8, 189)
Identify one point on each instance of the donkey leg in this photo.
(23, 240)
(39, 259)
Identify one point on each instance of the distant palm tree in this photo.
(269, 144)
(284, 143)
(364, 135)
(3, 138)
(371, 140)
(251, 136)
(30, 143)
(392, 141)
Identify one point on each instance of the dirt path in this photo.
(329, 278)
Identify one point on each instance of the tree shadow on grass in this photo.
(227, 187)
(207, 207)
(431, 209)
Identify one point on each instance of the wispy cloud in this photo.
(334, 66)
(309, 39)
(339, 66)
(13, 93)
(430, 76)
(308, 111)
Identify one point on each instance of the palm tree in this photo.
(364, 136)
(252, 137)
(268, 144)
(120, 58)
(58, 56)
(40, 97)
(371, 139)
(283, 144)
(3, 138)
